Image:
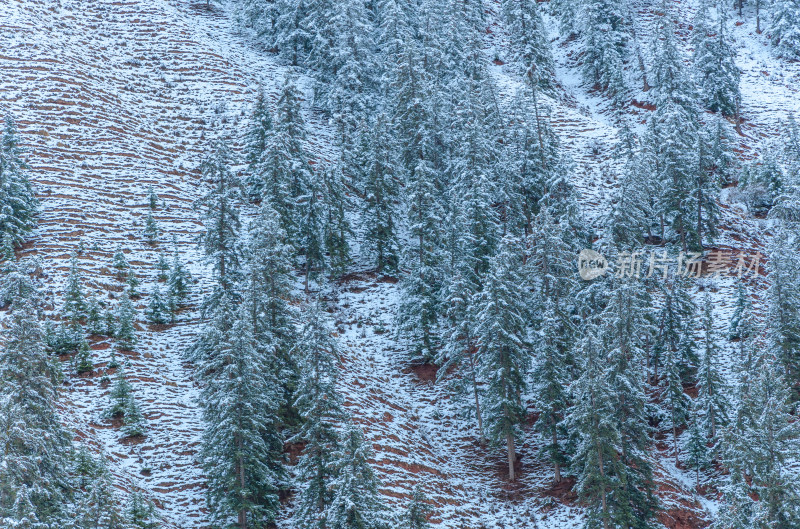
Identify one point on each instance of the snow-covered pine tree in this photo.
(83, 358)
(152, 198)
(783, 295)
(125, 332)
(35, 446)
(74, 309)
(151, 230)
(673, 135)
(626, 333)
(320, 406)
(355, 500)
(284, 167)
(94, 316)
(140, 511)
(98, 507)
(760, 444)
(124, 406)
(162, 266)
(242, 445)
(503, 350)
(310, 233)
(418, 510)
(531, 44)
(120, 263)
(257, 142)
(695, 447)
(597, 463)
(292, 36)
(379, 176)
(784, 27)
(132, 283)
(419, 311)
(605, 35)
(742, 312)
(18, 204)
(336, 227)
(712, 402)
(675, 332)
(178, 283)
(715, 70)
(220, 214)
(674, 401)
(158, 311)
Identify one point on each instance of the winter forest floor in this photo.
(113, 96)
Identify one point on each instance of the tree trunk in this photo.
(512, 456)
(477, 401)
(557, 478)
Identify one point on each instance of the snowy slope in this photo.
(112, 96)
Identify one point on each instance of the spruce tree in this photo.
(711, 401)
(257, 138)
(605, 35)
(18, 204)
(35, 446)
(356, 502)
(152, 198)
(741, 313)
(336, 227)
(783, 295)
(140, 511)
(320, 406)
(158, 311)
(94, 316)
(784, 27)
(98, 507)
(219, 209)
(378, 172)
(178, 282)
(151, 230)
(124, 406)
(162, 266)
(242, 445)
(125, 332)
(530, 38)
(120, 263)
(503, 353)
(83, 359)
(715, 70)
(418, 510)
(695, 446)
(132, 283)
(74, 309)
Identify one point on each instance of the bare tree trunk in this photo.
(512, 456)
(558, 467)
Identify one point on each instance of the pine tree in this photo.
(695, 447)
(379, 176)
(220, 214)
(124, 405)
(320, 406)
(711, 398)
(530, 39)
(762, 491)
(311, 213)
(158, 311)
(83, 359)
(418, 314)
(141, 512)
(94, 316)
(605, 36)
(675, 330)
(418, 510)
(741, 313)
(132, 285)
(257, 139)
(242, 445)
(151, 230)
(120, 263)
(783, 295)
(784, 27)
(356, 502)
(74, 309)
(162, 266)
(99, 506)
(35, 446)
(597, 460)
(674, 400)
(178, 282)
(503, 353)
(18, 204)
(715, 69)
(336, 227)
(152, 198)
(125, 332)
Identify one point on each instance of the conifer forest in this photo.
(399, 264)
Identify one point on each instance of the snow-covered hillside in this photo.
(114, 96)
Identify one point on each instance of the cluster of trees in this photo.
(45, 480)
(468, 198)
